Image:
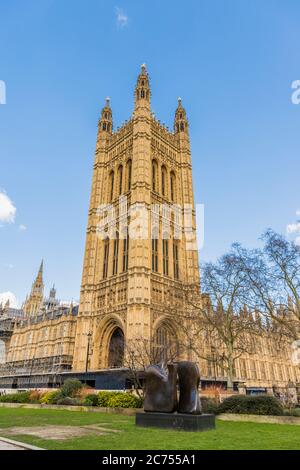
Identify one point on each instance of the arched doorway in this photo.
(116, 349)
(165, 344)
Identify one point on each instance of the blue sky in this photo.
(231, 61)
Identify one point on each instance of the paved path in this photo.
(8, 444)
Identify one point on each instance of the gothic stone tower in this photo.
(133, 275)
(34, 301)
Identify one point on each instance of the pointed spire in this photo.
(180, 122)
(142, 90)
(39, 278)
(106, 121)
(41, 267)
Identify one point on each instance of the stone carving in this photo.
(189, 380)
(161, 388)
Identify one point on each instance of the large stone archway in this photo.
(109, 343)
(116, 349)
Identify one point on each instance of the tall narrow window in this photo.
(155, 255)
(129, 171)
(125, 254)
(172, 186)
(166, 257)
(116, 257)
(111, 184)
(105, 258)
(176, 260)
(120, 176)
(154, 176)
(163, 180)
(243, 368)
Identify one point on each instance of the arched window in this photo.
(163, 180)
(116, 255)
(125, 254)
(165, 344)
(104, 126)
(120, 177)
(142, 94)
(154, 176)
(165, 257)
(111, 185)
(128, 174)
(181, 126)
(105, 258)
(176, 259)
(155, 255)
(172, 186)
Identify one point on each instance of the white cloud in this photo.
(297, 241)
(7, 209)
(293, 228)
(122, 18)
(5, 296)
(298, 213)
(22, 228)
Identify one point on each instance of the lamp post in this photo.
(89, 335)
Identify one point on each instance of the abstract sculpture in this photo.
(189, 380)
(161, 388)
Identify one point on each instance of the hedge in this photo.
(209, 405)
(119, 400)
(50, 398)
(256, 405)
(21, 397)
(56, 397)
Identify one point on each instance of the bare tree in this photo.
(218, 319)
(273, 281)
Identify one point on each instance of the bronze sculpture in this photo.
(161, 388)
(189, 380)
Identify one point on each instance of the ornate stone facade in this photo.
(135, 265)
(128, 280)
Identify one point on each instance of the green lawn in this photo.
(228, 435)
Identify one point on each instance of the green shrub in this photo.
(50, 398)
(91, 400)
(103, 398)
(71, 388)
(209, 405)
(68, 401)
(124, 400)
(20, 397)
(256, 405)
(119, 400)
